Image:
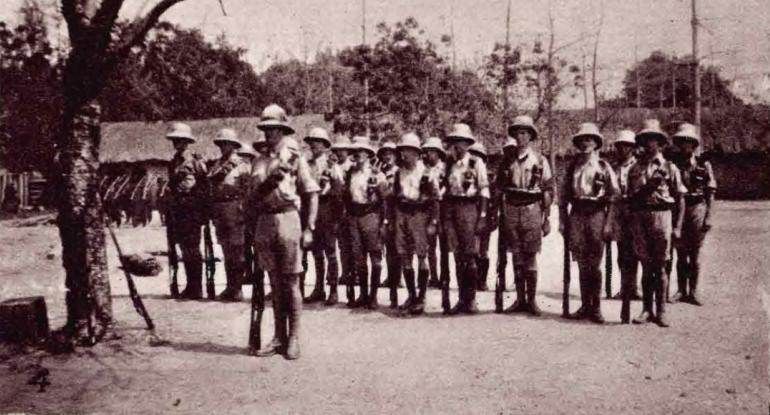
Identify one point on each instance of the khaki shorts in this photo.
(327, 225)
(277, 242)
(411, 237)
(585, 234)
(692, 228)
(523, 227)
(229, 223)
(460, 226)
(364, 232)
(652, 235)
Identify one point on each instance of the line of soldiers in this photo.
(404, 200)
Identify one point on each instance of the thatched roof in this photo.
(144, 141)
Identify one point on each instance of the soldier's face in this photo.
(317, 147)
(342, 155)
(523, 137)
(432, 157)
(388, 157)
(227, 148)
(273, 136)
(460, 147)
(409, 156)
(585, 144)
(625, 150)
(361, 157)
(686, 146)
(180, 145)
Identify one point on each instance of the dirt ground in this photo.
(713, 360)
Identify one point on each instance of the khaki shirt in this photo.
(229, 178)
(621, 171)
(366, 185)
(697, 177)
(646, 168)
(298, 180)
(186, 172)
(437, 173)
(329, 176)
(468, 178)
(518, 174)
(593, 179)
(415, 184)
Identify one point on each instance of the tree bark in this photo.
(81, 225)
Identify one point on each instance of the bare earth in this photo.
(712, 360)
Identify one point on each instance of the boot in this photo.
(596, 298)
(294, 300)
(532, 293)
(694, 276)
(350, 292)
(332, 299)
(393, 288)
(471, 279)
(331, 276)
(363, 285)
(625, 307)
(661, 302)
(461, 304)
(520, 305)
(194, 272)
(233, 272)
(682, 272)
(646, 315)
(585, 302)
(483, 270)
(434, 281)
(318, 293)
(277, 345)
(422, 283)
(410, 289)
(376, 271)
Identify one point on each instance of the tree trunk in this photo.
(81, 226)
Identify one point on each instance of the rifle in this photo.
(173, 259)
(135, 298)
(210, 260)
(567, 275)
(257, 308)
(502, 264)
(608, 269)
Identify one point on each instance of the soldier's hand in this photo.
(431, 229)
(386, 229)
(481, 226)
(706, 225)
(607, 233)
(307, 238)
(562, 227)
(676, 233)
(546, 227)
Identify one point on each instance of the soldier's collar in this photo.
(464, 160)
(524, 154)
(629, 161)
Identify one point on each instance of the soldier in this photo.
(433, 157)
(698, 177)
(526, 188)
(228, 180)
(366, 192)
(655, 188)
(628, 263)
(186, 184)
(589, 189)
(247, 153)
(387, 157)
(482, 262)
(465, 213)
(280, 179)
(509, 153)
(329, 177)
(341, 155)
(415, 218)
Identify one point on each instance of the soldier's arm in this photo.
(679, 190)
(310, 189)
(710, 193)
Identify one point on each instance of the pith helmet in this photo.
(651, 129)
(461, 132)
(318, 134)
(341, 142)
(247, 151)
(180, 130)
(523, 122)
(625, 137)
(409, 140)
(687, 132)
(434, 143)
(386, 146)
(363, 143)
(273, 116)
(478, 150)
(589, 129)
(227, 135)
(510, 142)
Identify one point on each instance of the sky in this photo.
(734, 35)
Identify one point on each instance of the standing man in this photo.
(328, 175)
(434, 156)
(698, 178)
(228, 180)
(655, 188)
(526, 187)
(387, 157)
(482, 261)
(280, 180)
(415, 219)
(589, 188)
(186, 184)
(366, 193)
(628, 263)
(341, 155)
(465, 213)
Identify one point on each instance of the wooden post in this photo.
(696, 110)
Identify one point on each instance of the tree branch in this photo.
(107, 14)
(140, 27)
(75, 16)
